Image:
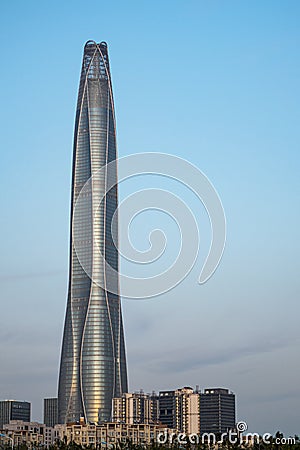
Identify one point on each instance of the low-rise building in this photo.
(107, 434)
(35, 433)
(19, 432)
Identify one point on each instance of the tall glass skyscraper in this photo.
(93, 362)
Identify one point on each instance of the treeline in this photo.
(291, 443)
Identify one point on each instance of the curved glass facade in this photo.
(93, 362)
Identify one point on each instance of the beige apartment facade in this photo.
(18, 432)
(136, 407)
(107, 434)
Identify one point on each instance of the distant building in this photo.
(50, 412)
(180, 410)
(217, 410)
(14, 410)
(136, 407)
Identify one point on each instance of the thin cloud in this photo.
(191, 358)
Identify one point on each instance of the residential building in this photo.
(180, 409)
(136, 407)
(24, 432)
(108, 434)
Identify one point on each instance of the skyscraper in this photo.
(93, 362)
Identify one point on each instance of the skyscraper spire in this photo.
(93, 362)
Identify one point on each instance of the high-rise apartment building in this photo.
(50, 412)
(14, 410)
(217, 411)
(136, 408)
(93, 362)
(179, 410)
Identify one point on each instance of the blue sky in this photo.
(214, 82)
